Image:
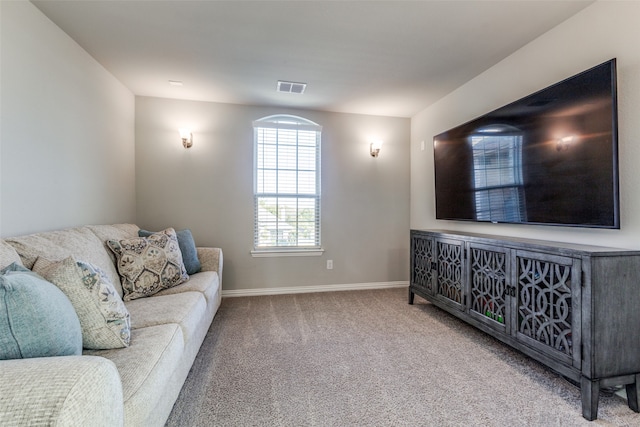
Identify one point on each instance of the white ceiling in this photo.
(391, 58)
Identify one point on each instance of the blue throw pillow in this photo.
(36, 318)
(187, 247)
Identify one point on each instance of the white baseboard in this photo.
(309, 289)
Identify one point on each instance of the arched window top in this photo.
(286, 121)
(496, 129)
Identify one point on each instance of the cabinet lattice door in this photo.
(546, 289)
(450, 271)
(423, 264)
(488, 291)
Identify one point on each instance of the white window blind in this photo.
(497, 170)
(286, 183)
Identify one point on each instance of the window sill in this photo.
(265, 253)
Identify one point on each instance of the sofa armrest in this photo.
(66, 391)
(211, 260)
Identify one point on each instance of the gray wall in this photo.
(209, 189)
(66, 130)
(600, 32)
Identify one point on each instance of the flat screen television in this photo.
(550, 158)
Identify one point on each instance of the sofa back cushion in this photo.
(80, 242)
(8, 255)
(114, 232)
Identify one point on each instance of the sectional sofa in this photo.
(133, 385)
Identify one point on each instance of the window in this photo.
(497, 167)
(286, 184)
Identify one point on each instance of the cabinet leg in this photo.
(590, 390)
(633, 392)
(411, 295)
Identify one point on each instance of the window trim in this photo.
(286, 252)
(287, 122)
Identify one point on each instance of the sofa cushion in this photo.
(103, 316)
(149, 264)
(114, 232)
(80, 242)
(187, 247)
(146, 368)
(186, 309)
(36, 318)
(8, 255)
(205, 282)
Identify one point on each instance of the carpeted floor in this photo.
(367, 358)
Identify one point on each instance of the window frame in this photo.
(288, 123)
(497, 173)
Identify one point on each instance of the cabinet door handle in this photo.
(509, 291)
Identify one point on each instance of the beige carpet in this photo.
(367, 358)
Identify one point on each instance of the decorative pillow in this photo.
(104, 319)
(187, 247)
(148, 265)
(36, 318)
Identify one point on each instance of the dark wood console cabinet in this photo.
(574, 308)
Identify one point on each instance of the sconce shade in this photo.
(563, 144)
(374, 148)
(187, 137)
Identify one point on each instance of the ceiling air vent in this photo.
(291, 87)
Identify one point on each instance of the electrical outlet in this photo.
(329, 264)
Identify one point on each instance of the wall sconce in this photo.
(563, 144)
(187, 137)
(374, 148)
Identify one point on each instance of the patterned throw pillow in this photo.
(187, 248)
(104, 319)
(148, 265)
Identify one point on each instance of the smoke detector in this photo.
(291, 87)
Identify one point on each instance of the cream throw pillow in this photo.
(104, 319)
(150, 264)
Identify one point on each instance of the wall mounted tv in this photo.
(550, 158)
